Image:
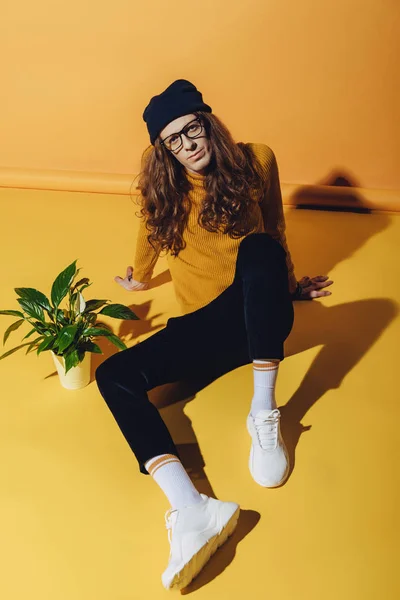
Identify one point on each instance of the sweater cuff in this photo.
(142, 276)
(292, 283)
(297, 293)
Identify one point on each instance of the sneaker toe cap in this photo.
(269, 469)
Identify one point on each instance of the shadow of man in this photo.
(347, 332)
(343, 347)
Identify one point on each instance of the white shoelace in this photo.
(267, 430)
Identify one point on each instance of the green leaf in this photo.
(91, 347)
(92, 318)
(33, 296)
(12, 327)
(81, 326)
(117, 342)
(55, 347)
(103, 330)
(13, 313)
(71, 360)
(31, 308)
(104, 326)
(97, 331)
(81, 354)
(46, 328)
(94, 305)
(62, 283)
(47, 344)
(118, 311)
(17, 348)
(61, 316)
(65, 337)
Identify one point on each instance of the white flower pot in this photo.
(77, 377)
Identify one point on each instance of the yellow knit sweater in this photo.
(206, 266)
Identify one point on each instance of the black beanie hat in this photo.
(180, 98)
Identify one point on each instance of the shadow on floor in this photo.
(164, 277)
(317, 243)
(346, 332)
(248, 519)
(315, 324)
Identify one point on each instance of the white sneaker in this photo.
(269, 461)
(195, 532)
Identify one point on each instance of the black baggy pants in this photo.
(251, 319)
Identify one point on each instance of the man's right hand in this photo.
(129, 283)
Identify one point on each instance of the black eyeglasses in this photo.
(192, 130)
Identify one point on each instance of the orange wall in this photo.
(318, 82)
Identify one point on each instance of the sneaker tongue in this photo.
(262, 415)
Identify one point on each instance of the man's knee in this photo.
(260, 250)
(260, 242)
(107, 368)
(116, 370)
(102, 372)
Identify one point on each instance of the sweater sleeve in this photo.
(145, 255)
(272, 207)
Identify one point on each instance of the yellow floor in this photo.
(77, 519)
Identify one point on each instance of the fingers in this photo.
(315, 283)
(137, 286)
(313, 287)
(127, 280)
(304, 280)
(127, 283)
(322, 285)
(123, 282)
(321, 281)
(130, 284)
(317, 278)
(320, 278)
(315, 294)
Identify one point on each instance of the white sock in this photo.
(265, 374)
(168, 471)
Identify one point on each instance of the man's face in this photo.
(194, 153)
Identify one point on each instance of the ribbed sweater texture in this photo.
(206, 266)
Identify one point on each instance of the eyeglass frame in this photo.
(162, 142)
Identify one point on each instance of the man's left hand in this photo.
(312, 287)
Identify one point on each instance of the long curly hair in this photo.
(233, 181)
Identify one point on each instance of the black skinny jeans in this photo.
(251, 319)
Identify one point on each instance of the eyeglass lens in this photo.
(191, 130)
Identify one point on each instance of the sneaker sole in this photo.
(198, 560)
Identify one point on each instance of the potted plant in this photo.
(69, 332)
